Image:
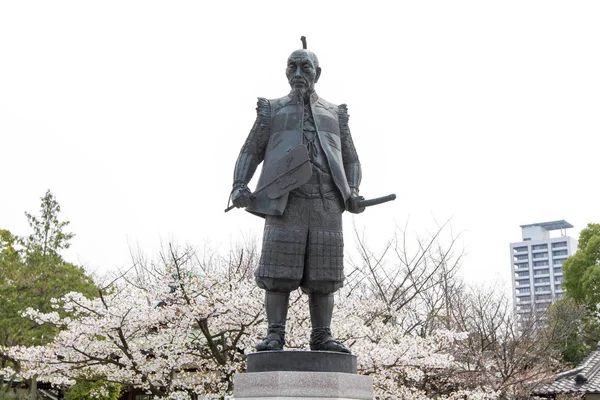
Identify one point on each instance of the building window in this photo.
(557, 288)
(520, 249)
(542, 289)
(541, 280)
(539, 247)
(541, 272)
(540, 263)
(522, 273)
(524, 290)
(557, 271)
(560, 253)
(558, 261)
(522, 282)
(540, 255)
(522, 265)
(521, 257)
(543, 297)
(523, 299)
(557, 245)
(557, 279)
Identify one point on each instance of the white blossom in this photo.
(189, 331)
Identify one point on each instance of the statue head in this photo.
(303, 70)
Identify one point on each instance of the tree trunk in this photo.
(33, 388)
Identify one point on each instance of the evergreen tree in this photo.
(32, 272)
(581, 272)
(581, 281)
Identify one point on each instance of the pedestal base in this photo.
(299, 360)
(302, 375)
(301, 385)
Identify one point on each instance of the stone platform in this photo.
(294, 360)
(302, 375)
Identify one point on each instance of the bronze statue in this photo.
(311, 174)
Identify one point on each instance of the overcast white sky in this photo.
(133, 113)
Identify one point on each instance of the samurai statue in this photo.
(310, 175)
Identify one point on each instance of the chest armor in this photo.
(287, 132)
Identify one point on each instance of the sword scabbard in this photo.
(378, 200)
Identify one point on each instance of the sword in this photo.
(377, 200)
(361, 202)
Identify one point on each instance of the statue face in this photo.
(301, 71)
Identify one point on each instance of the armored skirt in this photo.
(304, 247)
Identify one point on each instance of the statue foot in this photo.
(332, 345)
(275, 338)
(321, 340)
(273, 341)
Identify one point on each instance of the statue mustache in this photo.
(299, 79)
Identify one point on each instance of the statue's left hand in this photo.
(353, 205)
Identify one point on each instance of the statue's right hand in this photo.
(240, 196)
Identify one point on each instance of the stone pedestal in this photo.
(302, 375)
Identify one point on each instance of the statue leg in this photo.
(321, 310)
(324, 270)
(280, 270)
(276, 304)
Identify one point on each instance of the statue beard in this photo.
(301, 94)
(298, 94)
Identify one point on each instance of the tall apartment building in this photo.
(536, 264)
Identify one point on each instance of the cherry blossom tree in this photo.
(183, 324)
(185, 330)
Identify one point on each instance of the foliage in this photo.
(48, 236)
(93, 390)
(154, 331)
(11, 395)
(581, 272)
(32, 272)
(184, 324)
(579, 332)
(581, 281)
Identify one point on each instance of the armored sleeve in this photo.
(253, 151)
(349, 155)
